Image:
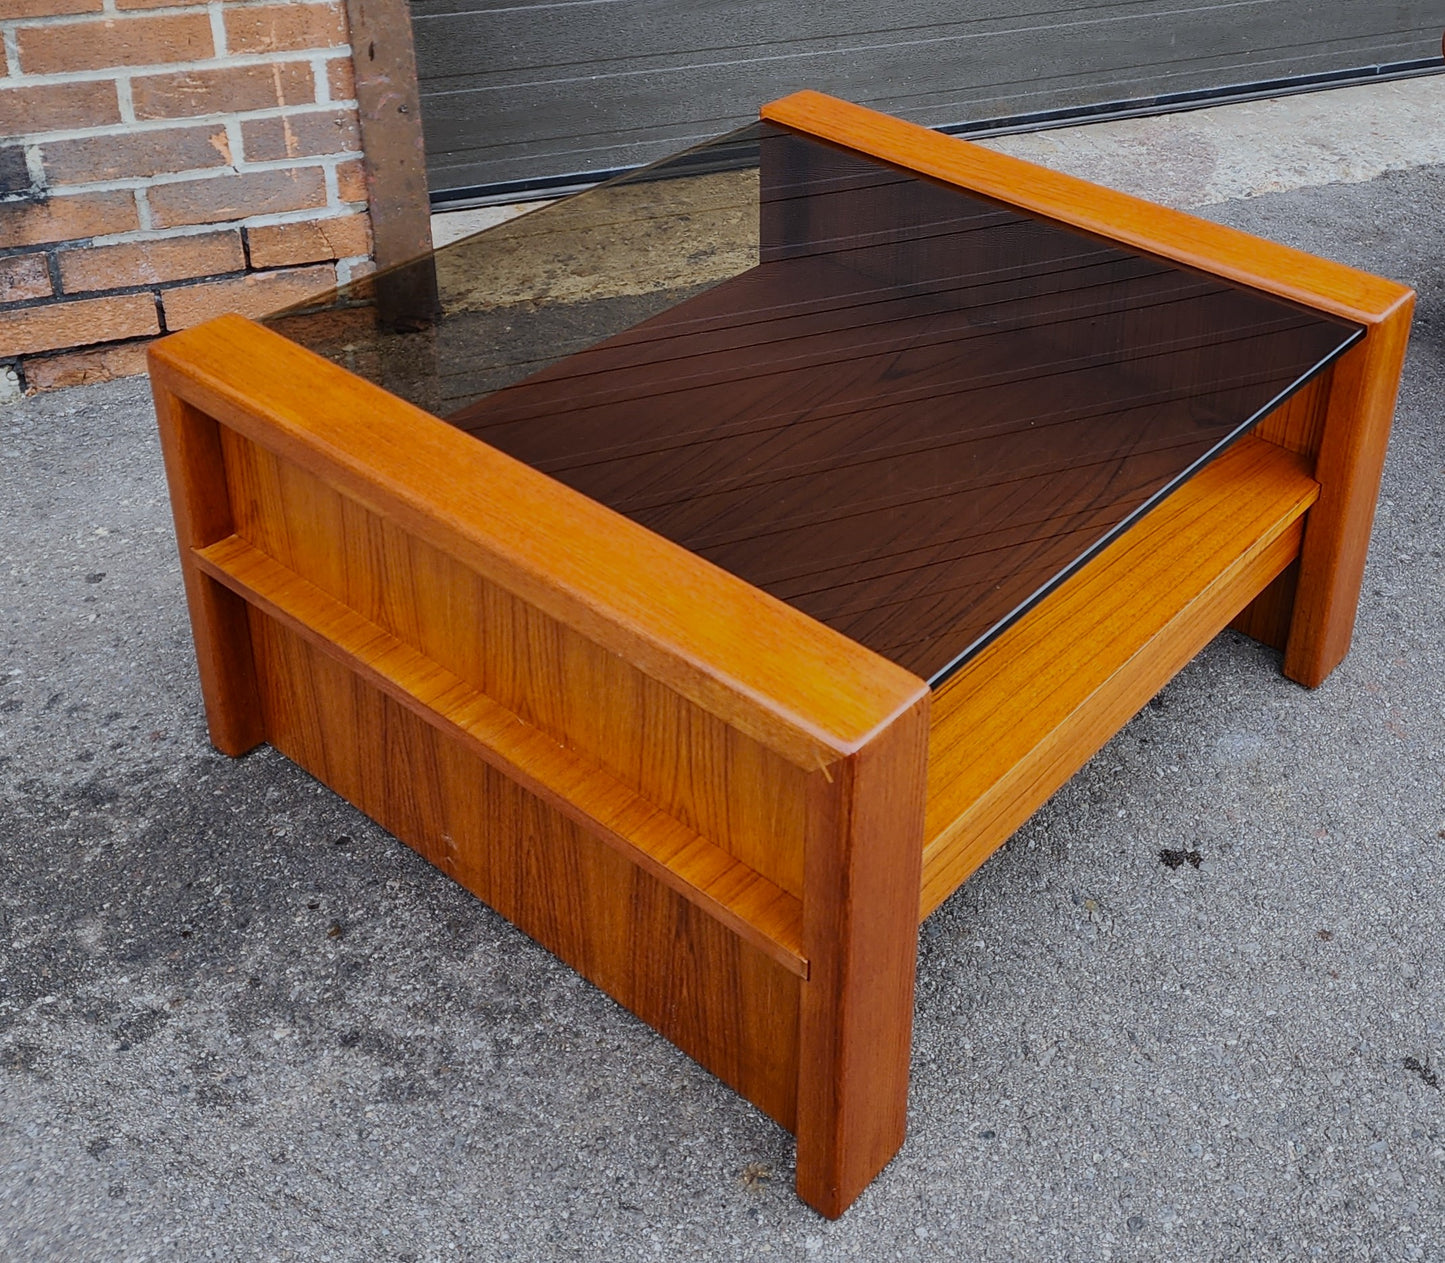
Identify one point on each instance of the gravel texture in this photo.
(239, 1021)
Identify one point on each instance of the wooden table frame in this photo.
(724, 814)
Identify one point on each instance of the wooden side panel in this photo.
(859, 932)
(694, 766)
(200, 505)
(689, 625)
(720, 1000)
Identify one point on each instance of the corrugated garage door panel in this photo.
(530, 91)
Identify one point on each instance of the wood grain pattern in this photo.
(698, 870)
(860, 936)
(201, 510)
(1350, 445)
(686, 624)
(1020, 718)
(1349, 467)
(725, 814)
(726, 1004)
(712, 779)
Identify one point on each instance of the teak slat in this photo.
(701, 872)
(685, 622)
(1030, 709)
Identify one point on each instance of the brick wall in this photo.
(163, 162)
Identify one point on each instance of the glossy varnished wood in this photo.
(729, 891)
(722, 1001)
(201, 510)
(688, 625)
(1212, 248)
(1030, 709)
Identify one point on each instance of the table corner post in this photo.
(862, 869)
(1349, 468)
(201, 508)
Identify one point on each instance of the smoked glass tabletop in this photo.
(905, 410)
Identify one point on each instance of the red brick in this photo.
(126, 41)
(157, 4)
(135, 155)
(351, 181)
(151, 262)
(225, 90)
(300, 135)
(12, 9)
(85, 368)
(341, 79)
(66, 218)
(236, 196)
(56, 326)
(24, 276)
(253, 295)
(52, 106)
(284, 28)
(309, 242)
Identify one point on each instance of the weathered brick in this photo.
(54, 326)
(284, 27)
(125, 41)
(66, 218)
(225, 90)
(351, 181)
(309, 242)
(253, 295)
(15, 180)
(11, 9)
(151, 262)
(137, 154)
(85, 368)
(52, 106)
(23, 277)
(125, 5)
(341, 79)
(301, 135)
(236, 196)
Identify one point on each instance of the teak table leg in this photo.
(201, 505)
(863, 864)
(1348, 467)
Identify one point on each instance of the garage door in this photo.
(521, 96)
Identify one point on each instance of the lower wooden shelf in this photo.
(1029, 710)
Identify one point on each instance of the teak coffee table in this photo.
(807, 509)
